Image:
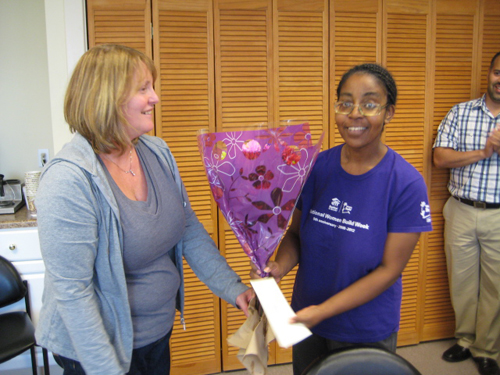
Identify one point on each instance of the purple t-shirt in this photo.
(344, 225)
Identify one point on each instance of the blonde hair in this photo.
(101, 84)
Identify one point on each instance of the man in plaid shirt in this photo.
(468, 142)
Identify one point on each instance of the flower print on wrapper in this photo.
(261, 179)
(214, 166)
(239, 227)
(253, 241)
(297, 172)
(255, 175)
(234, 142)
(303, 138)
(277, 210)
(207, 140)
(273, 137)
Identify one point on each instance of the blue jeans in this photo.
(152, 359)
(313, 347)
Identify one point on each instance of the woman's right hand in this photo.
(272, 268)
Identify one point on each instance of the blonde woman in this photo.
(114, 223)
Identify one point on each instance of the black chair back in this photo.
(361, 360)
(17, 330)
(12, 288)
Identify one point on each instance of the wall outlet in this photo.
(43, 157)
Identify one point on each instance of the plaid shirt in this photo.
(466, 128)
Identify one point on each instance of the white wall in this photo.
(40, 41)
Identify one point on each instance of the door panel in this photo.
(406, 23)
(121, 22)
(183, 53)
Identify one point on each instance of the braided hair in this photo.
(377, 71)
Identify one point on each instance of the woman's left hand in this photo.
(309, 316)
(244, 299)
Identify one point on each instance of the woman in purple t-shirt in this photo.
(357, 222)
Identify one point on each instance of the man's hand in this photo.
(492, 143)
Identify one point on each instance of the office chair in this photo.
(18, 332)
(361, 360)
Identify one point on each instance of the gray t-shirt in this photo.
(150, 230)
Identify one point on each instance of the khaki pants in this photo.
(472, 246)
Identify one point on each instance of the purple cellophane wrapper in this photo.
(256, 177)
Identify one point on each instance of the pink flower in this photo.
(291, 155)
(251, 149)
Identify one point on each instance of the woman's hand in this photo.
(310, 316)
(272, 268)
(244, 299)
(398, 250)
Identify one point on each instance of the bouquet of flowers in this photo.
(256, 177)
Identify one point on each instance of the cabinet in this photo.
(21, 247)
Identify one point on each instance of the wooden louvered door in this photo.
(405, 23)
(271, 65)
(125, 22)
(363, 31)
(355, 38)
(490, 38)
(183, 55)
(243, 98)
(183, 50)
(300, 58)
(224, 64)
(121, 22)
(454, 56)
(300, 54)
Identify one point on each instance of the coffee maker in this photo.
(11, 195)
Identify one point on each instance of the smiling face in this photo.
(139, 108)
(358, 131)
(493, 92)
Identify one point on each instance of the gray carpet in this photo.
(426, 358)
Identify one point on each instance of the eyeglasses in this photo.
(365, 109)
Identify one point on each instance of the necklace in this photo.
(123, 170)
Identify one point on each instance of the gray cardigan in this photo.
(85, 313)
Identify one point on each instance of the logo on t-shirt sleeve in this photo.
(425, 211)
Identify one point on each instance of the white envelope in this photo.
(279, 312)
